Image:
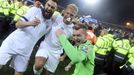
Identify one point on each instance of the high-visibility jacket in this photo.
(1, 9)
(56, 13)
(6, 7)
(110, 39)
(103, 44)
(130, 61)
(21, 11)
(14, 7)
(129, 65)
(121, 48)
(131, 52)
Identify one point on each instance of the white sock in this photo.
(37, 72)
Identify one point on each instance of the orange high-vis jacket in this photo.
(91, 36)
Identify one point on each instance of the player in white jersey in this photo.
(19, 44)
(50, 49)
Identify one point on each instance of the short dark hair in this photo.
(79, 26)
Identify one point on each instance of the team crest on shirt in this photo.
(84, 48)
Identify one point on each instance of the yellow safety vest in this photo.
(6, 7)
(1, 9)
(14, 7)
(20, 12)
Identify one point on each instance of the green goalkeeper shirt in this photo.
(82, 56)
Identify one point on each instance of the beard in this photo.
(46, 14)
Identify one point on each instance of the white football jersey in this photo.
(22, 40)
(51, 41)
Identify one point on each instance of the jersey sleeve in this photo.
(30, 14)
(91, 55)
(72, 52)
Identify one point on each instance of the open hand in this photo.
(67, 68)
(34, 22)
(37, 4)
(59, 32)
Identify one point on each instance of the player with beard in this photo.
(50, 49)
(82, 54)
(30, 28)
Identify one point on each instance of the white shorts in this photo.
(52, 59)
(19, 62)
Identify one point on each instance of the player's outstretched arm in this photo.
(70, 50)
(33, 22)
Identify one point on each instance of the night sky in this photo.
(112, 11)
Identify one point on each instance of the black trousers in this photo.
(2, 23)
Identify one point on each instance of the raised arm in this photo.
(70, 50)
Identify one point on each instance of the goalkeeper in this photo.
(82, 54)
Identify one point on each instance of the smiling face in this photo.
(79, 35)
(50, 7)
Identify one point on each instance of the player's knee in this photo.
(39, 63)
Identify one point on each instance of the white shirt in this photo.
(51, 41)
(22, 40)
